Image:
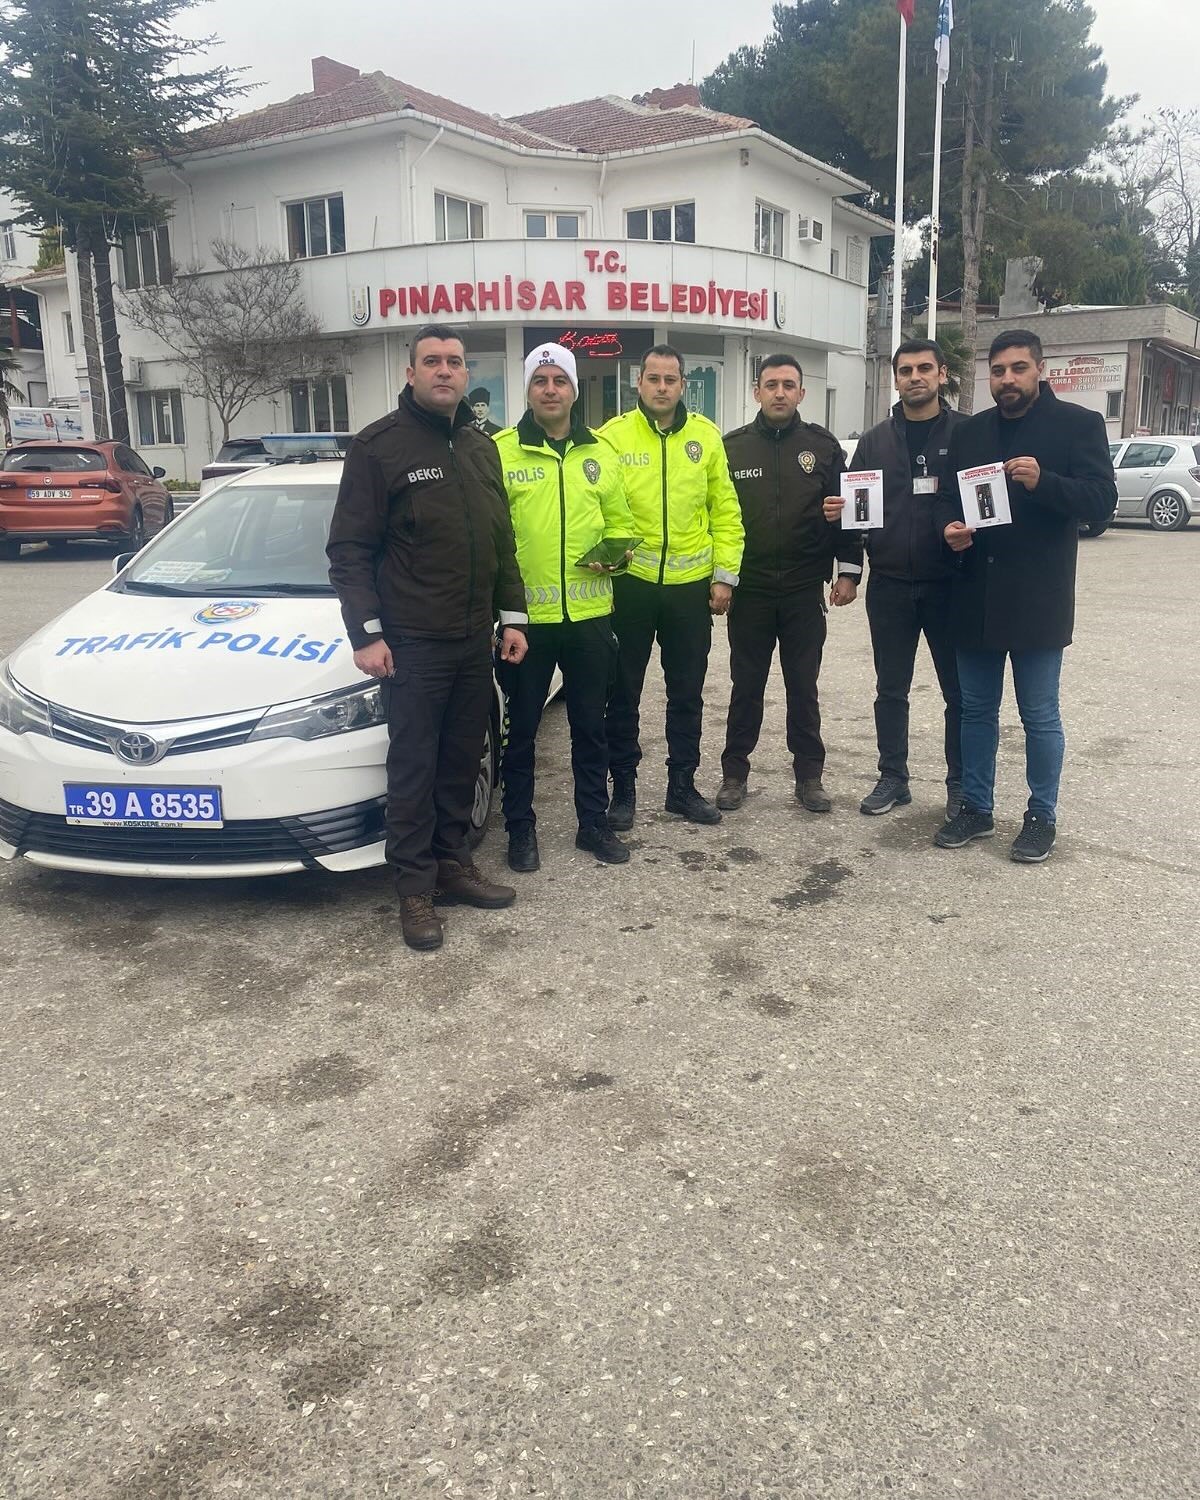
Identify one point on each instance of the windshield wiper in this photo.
(135, 586)
(278, 588)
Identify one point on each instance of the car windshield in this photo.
(266, 538)
(235, 451)
(54, 460)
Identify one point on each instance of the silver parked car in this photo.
(1158, 480)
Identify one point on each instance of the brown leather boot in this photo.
(421, 925)
(463, 883)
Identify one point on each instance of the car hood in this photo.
(147, 660)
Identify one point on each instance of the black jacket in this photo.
(421, 539)
(909, 544)
(782, 474)
(1015, 589)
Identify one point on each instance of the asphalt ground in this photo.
(794, 1158)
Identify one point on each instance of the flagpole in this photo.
(935, 224)
(898, 249)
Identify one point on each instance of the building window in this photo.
(831, 408)
(316, 227)
(146, 257)
(670, 221)
(1112, 406)
(456, 218)
(68, 332)
(541, 226)
(320, 405)
(1144, 406)
(8, 240)
(768, 230)
(160, 418)
(835, 262)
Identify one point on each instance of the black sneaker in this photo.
(967, 824)
(954, 800)
(889, 792)
(1034, 842)
(523, 849)
(600, 840)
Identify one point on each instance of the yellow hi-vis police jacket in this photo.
(560, 508)
(683, 501)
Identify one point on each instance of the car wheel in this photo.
(9, 551)
(1167, 512)
(168, 514)
(1094, 529)
(486, 782)
(136, 539)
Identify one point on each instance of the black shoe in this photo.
(731, 794)
(523, 849)
(810, 793)
(889, 792)
(954, 800)
(1034, 842)
(624, 801)
(600, 840)
(967, 824)
(685, 801)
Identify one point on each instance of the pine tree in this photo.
(95, 88)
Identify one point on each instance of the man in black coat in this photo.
(782, 469)
(1014, 596)
(423, 558)
(908, 590)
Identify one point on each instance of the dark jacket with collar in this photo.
(421, 540)
(782, 475)
(908, 545)
(1015, 588)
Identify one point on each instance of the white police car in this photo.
(201, 715)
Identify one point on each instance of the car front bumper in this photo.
(287, 805)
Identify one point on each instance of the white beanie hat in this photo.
(552, 354)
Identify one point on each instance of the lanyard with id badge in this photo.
(924, 483)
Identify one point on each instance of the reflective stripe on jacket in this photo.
(560, 509)
(684, 505)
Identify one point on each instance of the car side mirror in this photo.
(159, 473)
(122, 560)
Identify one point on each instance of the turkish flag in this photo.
(907, 9)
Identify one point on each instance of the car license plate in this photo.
(107, 806)
(49, 494)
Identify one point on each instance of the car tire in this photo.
(9, 551)
(487, 782)
(1094, 530)
(136, 539)
(1166, 511)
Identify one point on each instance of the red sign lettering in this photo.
(676, 297)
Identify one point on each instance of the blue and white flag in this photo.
(941, 41)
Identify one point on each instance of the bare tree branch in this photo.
(240, 333)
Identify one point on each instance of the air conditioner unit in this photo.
(809, 231)
(133, 370)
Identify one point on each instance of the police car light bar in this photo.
(285, 447)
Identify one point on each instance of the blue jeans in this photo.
(1035, 681)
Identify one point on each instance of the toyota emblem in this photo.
(138, 749)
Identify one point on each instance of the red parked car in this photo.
(68, 492)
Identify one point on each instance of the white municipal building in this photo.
(607, 225)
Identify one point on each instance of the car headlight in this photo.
(335, 713)
(21, 712)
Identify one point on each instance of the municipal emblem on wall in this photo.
(694, 451)
(225, 611)
(591, 470)
(807, 461)
(360, 306)
(780, 309)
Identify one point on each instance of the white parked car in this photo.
(1158, 480)
(201, 715)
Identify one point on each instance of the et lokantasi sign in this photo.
(1072, 375)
